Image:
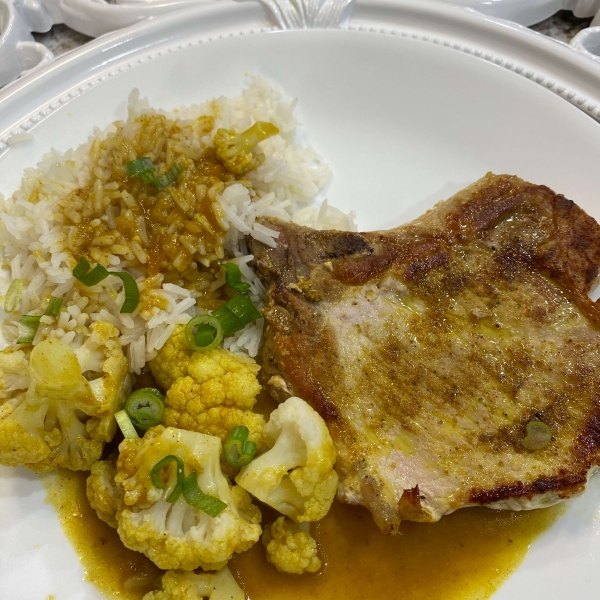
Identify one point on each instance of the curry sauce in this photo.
(466, 556)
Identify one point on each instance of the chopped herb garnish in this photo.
(145, 408)
(126, 426)
(238, 450)
(94, 276)
(146, 171)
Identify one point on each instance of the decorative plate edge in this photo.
(584, 104)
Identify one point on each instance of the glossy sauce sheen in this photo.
(466, 556)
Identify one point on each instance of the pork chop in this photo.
(428, 349)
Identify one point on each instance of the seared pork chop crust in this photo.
(428, 348)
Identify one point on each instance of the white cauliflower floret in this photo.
(178, 535)
(14, 372)
(186, 585)
(290, 547)
(295, 476)
(59, 417)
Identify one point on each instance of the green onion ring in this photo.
(238, 450)
(229, 322)
(145, 408)
(195, 497)
(538, 435)
(125, 425)
(13, 295)
(203, 339)
(82, 273)
(135, 168)
(236, 313)
(28, 326)
(53, 306)
(146, 171)
(233, 278)
(158, 482)
(241, 306)
(132, 292)
(89, 277)
(166, 179)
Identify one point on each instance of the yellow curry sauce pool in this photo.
(466, 556)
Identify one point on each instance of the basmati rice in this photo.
(38, 224)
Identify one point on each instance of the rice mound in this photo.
(37, 231)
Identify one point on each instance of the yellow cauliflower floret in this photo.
(178, 535)
(295, 476)
(17, 447)
(186, 585)
(172, 359)
(215, 378)
(59, 417)
(290, 547)
(102, 491)
(219, 421)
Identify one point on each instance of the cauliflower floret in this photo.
(186, 585)
(238, 151)
(290, 547)
(218, 421)
(172, 359)
(296, 475)
(14, 371)
(178, 535)
(213, 397)
(59, 417)
(215, 378)
(105, 367)
(102, 491)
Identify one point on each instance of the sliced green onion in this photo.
(132, 292)
(238, 450)
(236, 313)
(13, 295)
(233, 278)
(538, 435)
(195, 497)
(229, 322)
(203, 333)
(99, 273)
(166, 179)
(158, 482)
(146, 171)
(28, 326)
(53, 306)
(148, 176)
(89, 277)
(186, 485)
(241, 306)
(145, 408)
(135, 168)
(126, 426)
(205, 336)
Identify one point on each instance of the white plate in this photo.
(409, 102)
